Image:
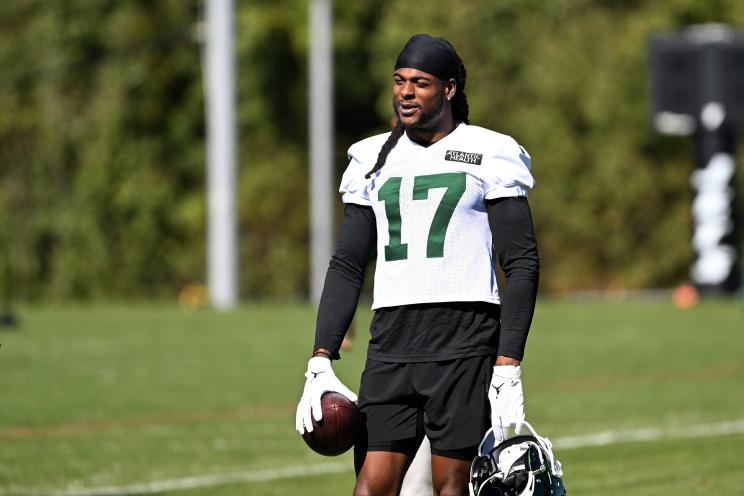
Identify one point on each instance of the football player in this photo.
(440, 199)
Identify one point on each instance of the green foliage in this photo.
(102, 153)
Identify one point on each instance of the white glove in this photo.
(507, 400)
(320, 379)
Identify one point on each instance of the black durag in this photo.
(429, 54)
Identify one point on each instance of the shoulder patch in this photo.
(464, 157)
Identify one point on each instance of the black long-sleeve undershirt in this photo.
(356, 240)
(514, 245)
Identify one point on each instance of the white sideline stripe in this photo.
(650, 434)
(192, 482)
(562, 443)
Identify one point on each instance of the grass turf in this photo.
(115, 396)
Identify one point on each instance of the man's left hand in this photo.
(507, 400)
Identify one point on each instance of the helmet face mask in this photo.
(520, 466)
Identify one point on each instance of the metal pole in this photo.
(222, 264)
(321, 143)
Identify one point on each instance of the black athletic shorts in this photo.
(447, 401)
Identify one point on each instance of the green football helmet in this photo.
(523, 465)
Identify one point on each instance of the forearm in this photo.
(516, 248)
(518, 306)
(343, 283)
(506, 360)
(337, 306)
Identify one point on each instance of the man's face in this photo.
(418, 98)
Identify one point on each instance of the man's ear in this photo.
(450, 88)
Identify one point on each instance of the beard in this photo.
(427, 117)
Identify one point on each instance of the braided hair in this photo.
(460, 111)
(460, 107)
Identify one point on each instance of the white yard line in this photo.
(562, 443)
(650, 434)
(161, 486)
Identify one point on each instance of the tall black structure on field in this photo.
(7, 316)
(697, 80)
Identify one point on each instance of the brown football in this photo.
(340, 427)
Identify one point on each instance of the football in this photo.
(338, 430)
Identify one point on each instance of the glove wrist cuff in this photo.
(508, 371)
(319, 363)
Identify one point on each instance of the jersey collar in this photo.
(409, 143)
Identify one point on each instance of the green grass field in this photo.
(153, 399)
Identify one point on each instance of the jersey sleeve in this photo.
(353, 187)
(507, 172)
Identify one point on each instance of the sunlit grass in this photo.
(97, 396)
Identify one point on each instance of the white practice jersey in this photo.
(433, 238)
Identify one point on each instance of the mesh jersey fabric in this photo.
(433, 239)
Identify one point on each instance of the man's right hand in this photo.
(320, 379)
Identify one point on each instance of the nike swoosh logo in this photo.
(316, 374)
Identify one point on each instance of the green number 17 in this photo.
(390, 194)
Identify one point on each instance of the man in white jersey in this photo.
(438, 200)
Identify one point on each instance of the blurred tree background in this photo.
(102, 146)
